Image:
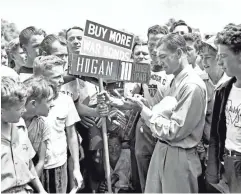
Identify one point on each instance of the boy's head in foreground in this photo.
(40, 96)
(13, 99)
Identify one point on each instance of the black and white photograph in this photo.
(120, 96)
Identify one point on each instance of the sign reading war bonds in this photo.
(110, 69)
(103, 41)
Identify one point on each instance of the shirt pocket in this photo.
(60, 122)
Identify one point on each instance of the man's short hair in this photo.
(180, 23)
(138, 42)
(114, 136)
(37, 87)
(28, 32)
(46, 45)
(157, 29)
(173, 42)
(72, 28)
(44, 64)
(193, 37)
(230, 36)
(13, 92)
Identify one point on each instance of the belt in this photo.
(232, 153)
(162, 141)
(187, 149)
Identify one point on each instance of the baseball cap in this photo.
(211, 42)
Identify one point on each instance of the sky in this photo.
(135, 16)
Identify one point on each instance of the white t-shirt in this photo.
(157, 88)
(63, 114)
(233, 120)
(8, 72)
(72, 88)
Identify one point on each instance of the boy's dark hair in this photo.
(46, 45)
(180, 23)
(193, 37)
(173, 42)
(157, 29)
(230, 36)
(75, 27)
(28, 32)
(114, 136)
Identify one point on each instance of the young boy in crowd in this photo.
(17, 169)
(61, 119)
(225, 136)
(120, 166)
(40, 97)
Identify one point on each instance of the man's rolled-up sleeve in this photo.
(185, 117)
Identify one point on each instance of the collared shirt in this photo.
(123, 170)
(184, 127)
(198, 70)
(15, 158)
(63, 114)
(38, 131)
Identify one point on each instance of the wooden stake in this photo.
(105, 140)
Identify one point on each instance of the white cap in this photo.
(210, 42)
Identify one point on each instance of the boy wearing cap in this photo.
(213, 78)
(225, 136)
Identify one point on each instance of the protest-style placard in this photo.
(105, 54)
(106, 42)
(109, 69)
(107, 34)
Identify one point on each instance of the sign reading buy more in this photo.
(109, 69)
(103, 41)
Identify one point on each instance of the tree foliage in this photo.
(62, 33)
(170, 22)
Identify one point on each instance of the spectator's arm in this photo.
(36, 182)
(84, 110)
(73, 145)
(41, 153)
(184, 118)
